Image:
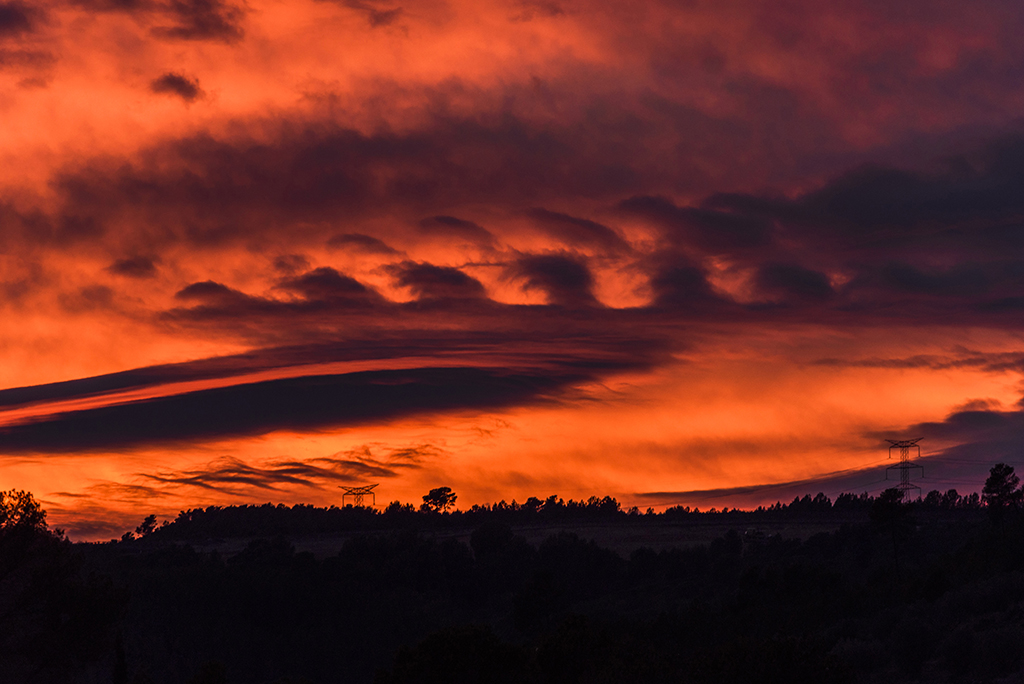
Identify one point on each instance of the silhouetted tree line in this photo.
(269, 519)
(221, 522)
(929, 591)
(838, 607)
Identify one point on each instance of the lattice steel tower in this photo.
(358, 493)
(905, 486)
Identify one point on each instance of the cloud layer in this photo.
(222, 223)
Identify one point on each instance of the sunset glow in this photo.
(703, 253)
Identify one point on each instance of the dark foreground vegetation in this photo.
(931, 591)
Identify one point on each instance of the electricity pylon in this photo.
(358, 493)
(905, 465)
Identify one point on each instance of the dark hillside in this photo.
(890, 592)
(927, 592)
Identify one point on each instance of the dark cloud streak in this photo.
(227, 473)
(307, 403)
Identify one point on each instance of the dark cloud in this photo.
(708, 230)
(306, 403)
(376, 14)
(874, 197)
(314, 294)
(122, 491)
(966, 280)
(978, 427)
(202, 20)
(228, 473)
(215, 20)
(596, 352)
(681, 286)
(870, 479)
(919, 361)
(325, 284)
(579, 232)
(135, 267)
(793, 283)
(565, 279)
(784, 491)
(127, 6)
(451, 227)
(210, 303)
(972, 202)
(15, 18)
(209, 190)
(384, 17)
(973, 290)
(363, 243)
(179, 85)
(438, 282)
(913, 244)
(217, 367)
(979, 405)
(529, 10)
(291, 263)
(962, 358)
(210, 292)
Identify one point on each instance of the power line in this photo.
(942, 459)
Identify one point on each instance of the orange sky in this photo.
(254, 251)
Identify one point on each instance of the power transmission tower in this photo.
(905, 466)
(358, 493)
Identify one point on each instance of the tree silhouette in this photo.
(438, 500)
(56, 618)
(889, 512)
(1000, 492)
(148, 526)
(950, 500)
(20, 511)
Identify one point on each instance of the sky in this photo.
(677, 252)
